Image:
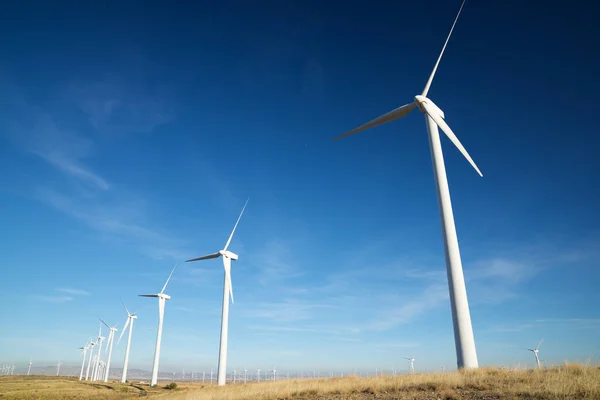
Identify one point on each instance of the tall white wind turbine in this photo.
(109, 348)
(227, 292)
(83, 353)
(29, 368)
(129, 322)
(97, 360)
(87, 371)
(58, 368)
(535, 353)
(162, 298)
(466, 353)
(411, 368)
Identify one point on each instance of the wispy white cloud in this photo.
(112, 104)
(115, 217)
(54, 299)
(395, 345)
(75, 292)
(273, 262)
(289, 310)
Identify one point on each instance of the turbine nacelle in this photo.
(228, 254)
(420, 99)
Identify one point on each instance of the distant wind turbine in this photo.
(535, 353)
(129, 322)
(162, 297)
(466, 353)
(109, 348)
(58, 368)
(83, 353)
(29, 368)
(227, 292)
(411, 368)
(98, 354)
(87, 371)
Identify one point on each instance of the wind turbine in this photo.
(87, 371)
(109, 348)
(29, 368)
(411, 369)
(227, 292)
(84, 353)
(274, 371)
(162, 297)
(245, 375)
(130, 318)
(535, 353)
(97, 361)
(58, 368)
(466, 353)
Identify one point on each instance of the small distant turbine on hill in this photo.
(227, 292)
(411, 368)
(535, 353)
(58, 368)
(109, 348)
(434, 118)
(129, 322)
(162, 298)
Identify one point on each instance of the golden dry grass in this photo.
(571, 381)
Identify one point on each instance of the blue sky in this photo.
(132, 134)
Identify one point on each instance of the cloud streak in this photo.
(54, 299)
(74, 292)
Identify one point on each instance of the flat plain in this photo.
(569, 381)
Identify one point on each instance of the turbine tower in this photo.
(162, 298)
(109, 348)
(411, 368)
(227, 292)
(97, 360)
(130, 318)
(466, 353)
(58, 368)
(83, 353)
(87, 371)
(535, 353)
(29, 368)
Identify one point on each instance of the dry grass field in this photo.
(572, 381)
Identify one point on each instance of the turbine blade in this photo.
(390, 116)
(104, 323)
(428, 84)
(430, 110)
(168, 279)
(235, 226)
(125, 306)
(538, 346)
(214, 255)
(148, 295)
(123, 331)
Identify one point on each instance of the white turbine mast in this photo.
(87, 371)
(411, 368)
(535, 353)
(58, 368)
(162, 298)
(227, 293)
(29, 368)
(98, 357)
(109, 348)
(83, 353)
(466, 353)
(130, 318)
